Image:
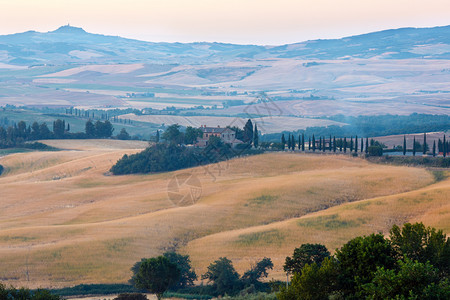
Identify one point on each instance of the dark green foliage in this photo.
(414, 146)
(156, 158)
(417, 242)
(413, 280)
(367, 145)
(255, 137)
(89, 129)
(258, 271)
(59, 128)
(156, 275)
(404, 145)
(440, 162)
(313, 143)
(373, 267)
(224, 277)
(123, 135)
(187, 274)
(283, 141)
(173, 135)
(248, 132)
(191, 134)
(1, 169)
(305, 254)
(380, 125)
(425, 146)
(434, 148)
(103, 129)
(313, 283)
(131, 296)
(95, 289)
(375, 151)
(157, 136)
(359, 259)
(26, 294)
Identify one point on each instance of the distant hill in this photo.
(69, 44)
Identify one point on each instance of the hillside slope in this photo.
(66, 221)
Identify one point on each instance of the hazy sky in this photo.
(234, 21)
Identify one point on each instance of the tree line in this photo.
(413, 262)
(20, 133)
(373, 126)
(170, 153)
(355, 145)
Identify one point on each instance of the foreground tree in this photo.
(414, 280)
(156, 275)
(187, 274)
(313, 283)
(258, 271)
(305, 254)
(422, 244)
(224, 277)
(359, 259)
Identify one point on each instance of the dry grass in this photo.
(64, 221)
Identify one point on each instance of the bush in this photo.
(375, 151)
(1, 169)
(131, 296)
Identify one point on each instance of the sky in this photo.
(264, 22)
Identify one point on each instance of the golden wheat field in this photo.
(65, 220)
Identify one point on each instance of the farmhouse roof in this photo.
(217, 129)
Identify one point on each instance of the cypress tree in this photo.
(320, 143)
(303, 142)
(299, 142)
(293, 143)
(314, 143)
(157, 136)
(345, 145)
(414, 146)
(367, 145)
(340, 145)
(334, 144)
(351, 144)
(283, 140)
(289, 142)
(404, 145)
(425, 143)
(356, 144)
(255, 137)
(323, 144)
(330, 148)
(434, 148)
(309, 143)
(444, 144)
(362, 145)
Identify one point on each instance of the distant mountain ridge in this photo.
(73, 45)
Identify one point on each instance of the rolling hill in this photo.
(65, 220)
(68, 45)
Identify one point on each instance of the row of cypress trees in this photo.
(332, 144)
(443, 146)
(353, 145)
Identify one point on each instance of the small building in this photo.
(227, 135)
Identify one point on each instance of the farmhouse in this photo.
(227, 135)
